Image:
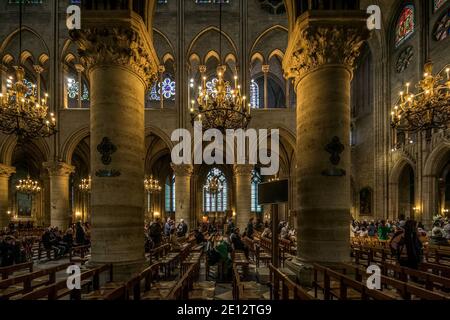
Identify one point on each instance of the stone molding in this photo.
(243, 169)
(182, 170)
(321, 39)
(115, 39)
(59, 169)
(6, 171)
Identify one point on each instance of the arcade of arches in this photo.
(310, 93)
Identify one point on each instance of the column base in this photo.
(302, 269)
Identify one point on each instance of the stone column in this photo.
(265, 70)
(320, 56)
(120, 61)
(5, 174)
(183, 174)
(59, 174)
(243, 176)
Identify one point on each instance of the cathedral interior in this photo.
(356, 118)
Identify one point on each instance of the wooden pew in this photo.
(185, 284)
(289, 289)
(7, 271)
(28, 282)
(79, 254)
(59, 290)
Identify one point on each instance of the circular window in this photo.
(273, 6)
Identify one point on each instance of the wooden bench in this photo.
(28, 282)
(7, 271)
(79, 254)
(185, 284)
(59, 290)
(288, 289)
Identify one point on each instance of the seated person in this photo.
(437, 237)
(237, 242)
(173, 241)
(199, 237)
(267, 233)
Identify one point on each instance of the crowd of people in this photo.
(15, 249)
(405, 236)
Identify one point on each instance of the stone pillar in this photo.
(183, 174)
(121, 62)
(243, 176)
(320, 56)
(59, 174)
(5, 174)
(265, 70)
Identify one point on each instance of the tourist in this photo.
(199, 237)
(437, 237)
(250, 229)
(237, 242)
(410, 247)
(230, 226)
(182, 229)
(80, 235)
(267, 233)
(173, 241)
(383, 231)
(155, 233)
(167, 227)
(371, 230)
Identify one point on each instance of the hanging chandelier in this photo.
(22, 112)
(28, 186)
(152, 185)
(427, 109)
(214, 186)
(85, 185)
(219, 105)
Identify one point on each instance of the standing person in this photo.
(410, 253)
(250, 229)
(167, 228)
(383, 231)
(182, 229)
(155, 232)
(230, 226)
(80, 235)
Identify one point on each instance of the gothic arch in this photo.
(72, 142)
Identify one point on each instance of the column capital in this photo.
(265, 68)
(182, 170)
(3, 67)
(322, 38)
(79, 67)
(6, 171)
(58, 169)
(38, 68)
(243, 169)
(116, 39)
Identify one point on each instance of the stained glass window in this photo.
(30, 87)
(254, 94)
(256, 180)
(170, 194)
(73, 89)
(168, 90)
(438, 4)
(405, 25)
(216, 202)
(442, 28)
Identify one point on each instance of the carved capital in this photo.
(38, 68)
(325, 38)
(6, 171)
(117, 39)
(182, 170)
(243, 169)
(265, 68)
(58, 169)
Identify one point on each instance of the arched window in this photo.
(170, 194)
(215, 202)
(256, 180)
(406, 25)
(74, 100)
(168, 86)
(438, 4)
(254, 94)
(442, 28)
